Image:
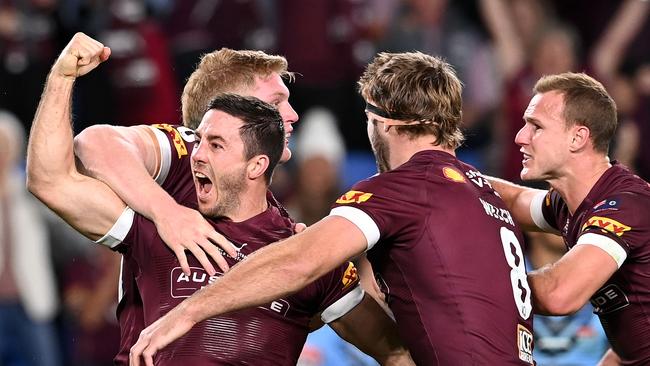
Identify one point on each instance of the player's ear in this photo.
(579, 138)
(256, 166)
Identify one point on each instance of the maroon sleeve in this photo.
(330, 288)
(553, 208)
(620, 218)
(176, 145)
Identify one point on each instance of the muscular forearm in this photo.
(268, 274)
(49, 155)
(280, 269)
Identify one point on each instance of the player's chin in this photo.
(286, 155)
(528, 175)
(205, 207)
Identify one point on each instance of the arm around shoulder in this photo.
(520, 201)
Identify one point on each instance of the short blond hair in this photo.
(226, 71)
(586, 102)
(416, 86)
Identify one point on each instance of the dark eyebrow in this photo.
(211, 137)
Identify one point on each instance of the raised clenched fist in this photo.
(80, 56)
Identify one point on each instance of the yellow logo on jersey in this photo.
(608, 224)
(354, 197)
(453, 175)
(179, 144)
(350, 276)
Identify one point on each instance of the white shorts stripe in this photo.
(119, 230)
(362, 220)
(343, 305)
(609, 245)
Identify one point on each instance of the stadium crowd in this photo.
(499, 49)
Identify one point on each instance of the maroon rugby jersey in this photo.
(615, 216)
(447, 255)
(154, 282)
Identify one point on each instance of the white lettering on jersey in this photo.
(498, 213)
(477, 178)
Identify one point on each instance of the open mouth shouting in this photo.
(203, 185)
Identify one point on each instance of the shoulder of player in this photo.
(622, 214)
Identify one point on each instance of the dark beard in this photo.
(381, 150)
(229, 188)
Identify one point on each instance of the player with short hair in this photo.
(239, 140)
(126, 158)
(599, 207)
(447, 253)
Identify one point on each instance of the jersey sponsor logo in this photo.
(280, 306)
(609, 299)
(354, 197)
(606, 205)
(183, 285)
(453, 175)
(525, 344)
(177, 138)
(607, 224)
(477, 178)
(350, 276)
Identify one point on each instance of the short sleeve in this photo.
(337, 292)
(119, 231)
(617, 224)
(379, 207)
(176, 144)
(545, 209)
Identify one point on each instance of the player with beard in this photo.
(446, 250)
(240, 140)
(126, 158)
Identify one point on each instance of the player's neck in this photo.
(580, 177)
(404, 149)
(252, 202)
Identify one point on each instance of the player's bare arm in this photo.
(519, 200)
(270, 273)
(369, 328)
(51, 172)
(127, 159)
(565, 286)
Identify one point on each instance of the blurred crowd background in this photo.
(59, 291)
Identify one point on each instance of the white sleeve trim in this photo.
(119, 230)
(538, 216)
(609, 245)
(362, 220)
(343, 305)
(165, 155)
